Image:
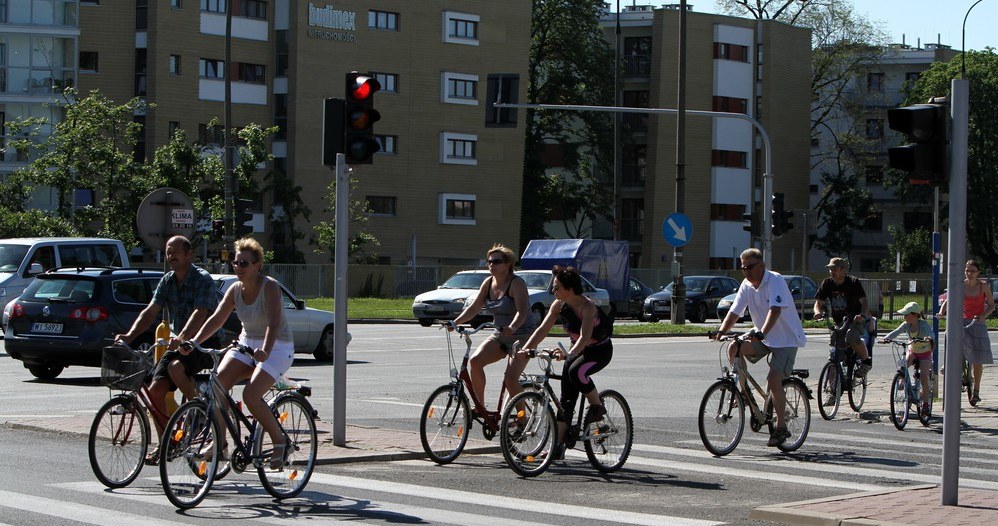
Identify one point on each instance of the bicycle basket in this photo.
(123, 368)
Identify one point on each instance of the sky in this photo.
(928, 20)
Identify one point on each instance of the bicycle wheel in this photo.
(722, 418)
(923, 416)
(899, 400)
(829, 390)
(297, 420)
(528, 447)
(118, 441)
(797, 414)
(608, 442)
(857, 391)
(968, 383)
(444, 424)
(188, 459)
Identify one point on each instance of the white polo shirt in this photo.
(772, 292)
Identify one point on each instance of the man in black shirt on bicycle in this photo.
(845, 296)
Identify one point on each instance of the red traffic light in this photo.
(361, 87)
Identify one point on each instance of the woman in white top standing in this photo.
(257, 301)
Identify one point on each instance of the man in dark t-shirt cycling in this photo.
(844, 296)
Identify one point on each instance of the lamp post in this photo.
(963, 41)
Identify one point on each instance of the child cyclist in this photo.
(916, 327)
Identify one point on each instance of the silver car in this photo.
(539, 287)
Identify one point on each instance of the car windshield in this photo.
(11, 257)
(60, 290)
(692, 284)
(535, 280)
(465, 281)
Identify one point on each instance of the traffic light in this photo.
(217, 228)
(926, 159)
(752, 227)
(781, 216)
(359, 117)
(243, 217)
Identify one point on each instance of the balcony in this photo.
(637, 66)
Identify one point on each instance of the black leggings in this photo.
(575, 376)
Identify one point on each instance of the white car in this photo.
(312, 328)
(539, 287)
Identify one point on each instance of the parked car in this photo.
(794, 283)
(66, 316)
(311, 328)
(448, 300)
(702, 296)
(539, 287)
(637, 292)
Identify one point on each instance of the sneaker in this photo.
(862, 369)
(829, 401)
(975, 399)
(595, 413)
(778, 437)
(925, 408)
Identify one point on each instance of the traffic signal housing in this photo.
(781, 216)
(926, 158)
(751, 226)
(243, 217)
(359, 117)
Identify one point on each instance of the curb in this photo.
(788, 514)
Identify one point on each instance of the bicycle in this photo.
(967, 376)
(721, 420)
(841, 365)
(906, 392)
(447, 417)
(529, 440)
(193, 440)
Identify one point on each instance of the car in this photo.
(702, 296)
(66, 316)
(311, 328)
(541, 297)
(636, 294)
(447, 301)
(794, 283)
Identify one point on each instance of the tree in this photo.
(982, 143)
(915, 247)
(325, 232)
(570, 63)
(288, 205)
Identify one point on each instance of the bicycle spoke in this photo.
(295, 417)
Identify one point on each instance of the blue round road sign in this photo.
(677, 229)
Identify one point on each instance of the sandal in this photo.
(152, 459)
(208, 451)
(279, 457)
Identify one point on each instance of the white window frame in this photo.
(174, 66)
(446, 139)
(391, 20)
(219, 66)
(444, 198)
(389, 144)
(389, 81)
(445, 95)
(449, 16)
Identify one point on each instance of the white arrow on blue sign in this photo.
(677, 229)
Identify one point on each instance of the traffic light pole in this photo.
(767, 178)
(340, 301)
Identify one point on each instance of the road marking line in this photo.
(74, 511)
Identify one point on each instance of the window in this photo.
(389, 144)
(174, 65)
(731, 104)
(88, 61)
(389, 82)
(875, 82)
(505, 88)
(728, 159)
(726, 212)
(381, 205)
(139, 151)
(282, 60)
(874, 128)
(211, 134)
(459, 88)
(735, 52)
(174, 126)
(874, 174)
(460, 28)
(635, 164)
(915, 220)
(637, 122)
(140, 72)
(176, 4)
(632, 217)
(141, 15)
(457, 209)
(211, 69)
(873, 223)
(382, 20)
(83, 197)
(912, 77)
(213, 6)
(251, 9)
(281, 116)
(252, 73)
(458, 148)
(637, 56)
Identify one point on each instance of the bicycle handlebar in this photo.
(193, 345)
(466, 330)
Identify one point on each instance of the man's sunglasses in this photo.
(749, 267)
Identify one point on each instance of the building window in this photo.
(874, 128)
(282, 61)
(632, 217)
(912, 77)
(726, 212)
(389, 144)
(176, 4)
(458, 88)
(457, 209)
(728, 159)
(731, 104)
(635, 164)
(213, 6)
(389, 82)
(505, 88)
(382, 20)
(140, 72)
(251, 9)
(174, 65)
(875, 82)
(458, 148)
(251, 73)
(139, 153)
(916, 220)
(209, 68)
(874, 174)
(88, 62)
(460, 28)
(174, 126)
(381, 205)
(874, 223)
(141, 15)
(89, 2)
(83, 197)
(637, 56)
(281, 116)
(637, 122)
(211, 134)
(725, 51)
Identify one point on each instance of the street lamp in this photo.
(963, 42)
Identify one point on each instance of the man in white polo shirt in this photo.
(778, 330)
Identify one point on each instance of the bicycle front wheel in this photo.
(722, 418)
(829, 391)
(297, 420)
(528, 434)
(797, 414)
(857, 391)
(608, 442)
(924, 413)
(899, 400)
(118, 441)
(444, 424)
(188, 457)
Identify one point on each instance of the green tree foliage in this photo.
(570, 63)
(982, 143)
(915, 247)
(287, 199)
(324, 233)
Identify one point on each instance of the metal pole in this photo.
(228, 159)
(340, 302)
(803, 262)
(954, 281)
(963, 42)
(617, 160)
(678, 285)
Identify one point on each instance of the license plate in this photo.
(435, 310)
(47, 328)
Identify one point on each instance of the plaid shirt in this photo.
(180, 299)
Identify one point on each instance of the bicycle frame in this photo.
(461, 378)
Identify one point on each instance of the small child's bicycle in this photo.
(906, 388)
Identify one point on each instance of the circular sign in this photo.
(677, 229)
(164, 213)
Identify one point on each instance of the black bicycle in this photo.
(838, 376)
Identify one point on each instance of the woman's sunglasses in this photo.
(242, 263)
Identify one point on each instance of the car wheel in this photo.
(426, 322)
(324, 351)
(651, 318)
(539, 312)
(699, 314)
(45, 372)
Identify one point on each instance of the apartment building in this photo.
(447, 182)
(760, 68)
(867, 97)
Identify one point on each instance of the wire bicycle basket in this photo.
(123, 368)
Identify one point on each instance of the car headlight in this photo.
(723, 303)
(460, 301)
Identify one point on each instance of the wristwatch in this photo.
(760, 335)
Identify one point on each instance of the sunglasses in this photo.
(242, 263)
(496, 261)
(747, 268)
